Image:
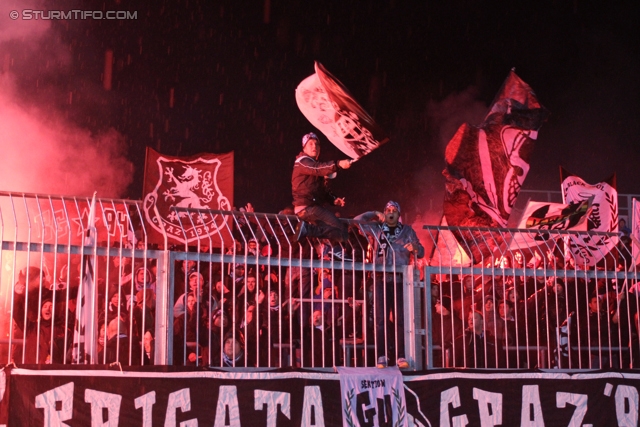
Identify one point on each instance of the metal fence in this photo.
(124, 297)
(249, 295)
(540, 299)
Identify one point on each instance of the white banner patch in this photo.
(372, 397)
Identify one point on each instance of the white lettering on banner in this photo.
(577, 400)
(627, 397)
(611, 403)
(146, 402)
(451, 396)
(272, 399)
(312, 404)
(48, 400)
(179, 399)
(227, 401)
(100, 400)
(531, 415)
(490, 407)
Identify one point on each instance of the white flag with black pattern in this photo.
(603, 217)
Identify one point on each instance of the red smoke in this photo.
(42, 151)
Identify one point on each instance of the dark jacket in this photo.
(474, 351)
(387, 253)
(318, 344)
(118, 349)
(308, 185)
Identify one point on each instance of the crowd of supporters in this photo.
(267, 311)
(252, 312)
(45, 326)
(568, 319)
(242, 313)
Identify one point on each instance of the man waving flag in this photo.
(329, 106)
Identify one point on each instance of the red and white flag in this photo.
(486, 165)
(171, 184)
(329, 106)
(603, 216)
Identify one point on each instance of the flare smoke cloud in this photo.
(42, 150)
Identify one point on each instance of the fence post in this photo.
(428, 322)
(414, 324)
(164, 309)
(409, 318)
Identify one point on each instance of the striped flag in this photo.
(85, 331)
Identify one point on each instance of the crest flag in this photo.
(486, 165)
(329, 106)
(602, 217)
(203, 181)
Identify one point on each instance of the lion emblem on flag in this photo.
(186, 185)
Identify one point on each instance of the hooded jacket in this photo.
(308, 186)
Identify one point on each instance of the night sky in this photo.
(419, 68)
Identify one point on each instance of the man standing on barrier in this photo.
(310, 193)
(395, 244)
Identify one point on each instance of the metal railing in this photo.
(284, 303)
(249, 295)
(535, 299)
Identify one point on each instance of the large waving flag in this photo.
(85, 331)
(329, 106)
(603, 216)
(486, 165)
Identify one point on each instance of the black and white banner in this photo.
(523, 399)
(115, 398)
(549, 216)
(76, 398)
(329, 106)
(603, 216)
